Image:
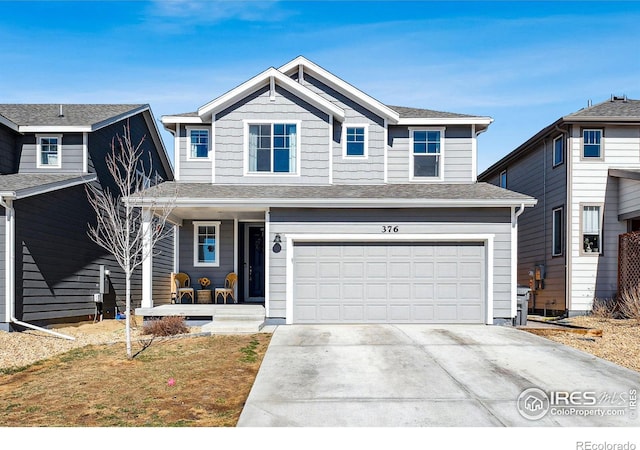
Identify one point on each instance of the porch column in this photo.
(147, 262)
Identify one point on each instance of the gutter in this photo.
(10, 265)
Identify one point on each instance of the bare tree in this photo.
(120, 226)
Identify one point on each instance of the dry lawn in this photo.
(620, 341)
(97, 386)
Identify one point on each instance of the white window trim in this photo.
(592, 158)
(39, 138)
(246, 124)
(600, 234)
(189, 130)
(504, 172)
(197, 224)
(553, 231)
(442, 154)
(366, 140)
(553, 152)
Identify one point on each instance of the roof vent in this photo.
(617, 98)
(60, 114)
(589, 103)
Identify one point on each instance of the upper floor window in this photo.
(273, 147)
(355, 140)
(198, 143)
(205, 244)
(558, 151)
(592, 143)
(591, 230)
(49, 151)
(427, 153)
(558, 232)
(503, 179)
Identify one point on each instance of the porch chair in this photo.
(182, 286)
(228, 290)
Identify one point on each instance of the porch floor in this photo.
(234, 318)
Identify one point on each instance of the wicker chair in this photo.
(182, 283)
(228, 290)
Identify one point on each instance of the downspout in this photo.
(514, 256)
(10, 264)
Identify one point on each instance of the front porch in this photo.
(243, 318)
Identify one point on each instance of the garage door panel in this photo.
(388, 282)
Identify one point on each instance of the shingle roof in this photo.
(418, 113)
(73, 114)
(614, 108)
(25, 184)
(421, 193)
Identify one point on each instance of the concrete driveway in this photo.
(431, 375)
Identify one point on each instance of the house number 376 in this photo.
(389, 228)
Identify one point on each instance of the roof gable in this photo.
(339, 85)
(270, 75)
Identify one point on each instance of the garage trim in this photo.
(487, 239)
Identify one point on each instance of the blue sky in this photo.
(523, 63)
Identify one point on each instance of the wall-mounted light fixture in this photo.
(277, 240)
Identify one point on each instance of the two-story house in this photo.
(584, 169)
(49, 268)
(333, 207)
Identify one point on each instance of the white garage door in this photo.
(345, 282)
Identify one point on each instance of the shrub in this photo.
(167, 326)
(630, 303)
(605, 308)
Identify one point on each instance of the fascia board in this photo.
(180, 119)
(6, 122)
(342, 87)
(338, 203)
(261, 79)
(43, 189)
(446, 121)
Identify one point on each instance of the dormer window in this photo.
(198, 143)
(48, 150)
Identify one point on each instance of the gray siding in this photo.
(485, 215)
(353, 170)
(3, 296)
(229, 139)
(458, 154)
(629, 195)
(163, 256)
(7, 150)
(57, 265)
(535, 175)
(215, 274)
(502, 249)
(193, 170)
(71, 150)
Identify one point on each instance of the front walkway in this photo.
(426, 375)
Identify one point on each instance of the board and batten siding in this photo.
(629, 196)
(230, 139)
(596, 275)
(299, 224)
(57, 265)
(71, 148)
(186, 254)
(163, 265)
(534, 175)
(353, 170)
(458, 154)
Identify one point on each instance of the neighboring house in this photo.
(584, 169)
(49, 268)
(333, 207)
